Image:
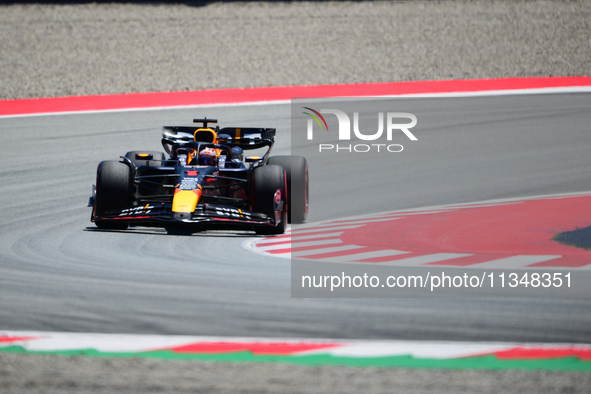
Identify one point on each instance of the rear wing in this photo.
(177, 134)
(243, 137)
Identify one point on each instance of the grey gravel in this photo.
(62, 50)
(61, 374)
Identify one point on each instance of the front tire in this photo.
(296, 168)
(113, 191)
(266, 181)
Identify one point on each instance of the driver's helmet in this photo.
(207, 156)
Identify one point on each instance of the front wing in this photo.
(205, 216)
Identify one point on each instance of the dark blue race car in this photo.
(203, 182)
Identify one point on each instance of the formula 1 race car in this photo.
(204, 183)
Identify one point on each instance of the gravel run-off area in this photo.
(28, 374)
(84, 49)
(65, 50)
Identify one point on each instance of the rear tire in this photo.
(156, 161)
(113, 191)
(266, 180)
(296, 168)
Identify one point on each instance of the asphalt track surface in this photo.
(60, 273)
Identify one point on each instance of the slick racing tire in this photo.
(266, 180)
(157, 158)
(296, 168)
(113, 191)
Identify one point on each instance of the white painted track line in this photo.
(359, 221)
(297, 241)
(365, 255)
(303, 244)
(305, 231)
(316, 243)
(429, 258)
(298, 238)
(515, 261)
(400, 215)
(325, 250)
